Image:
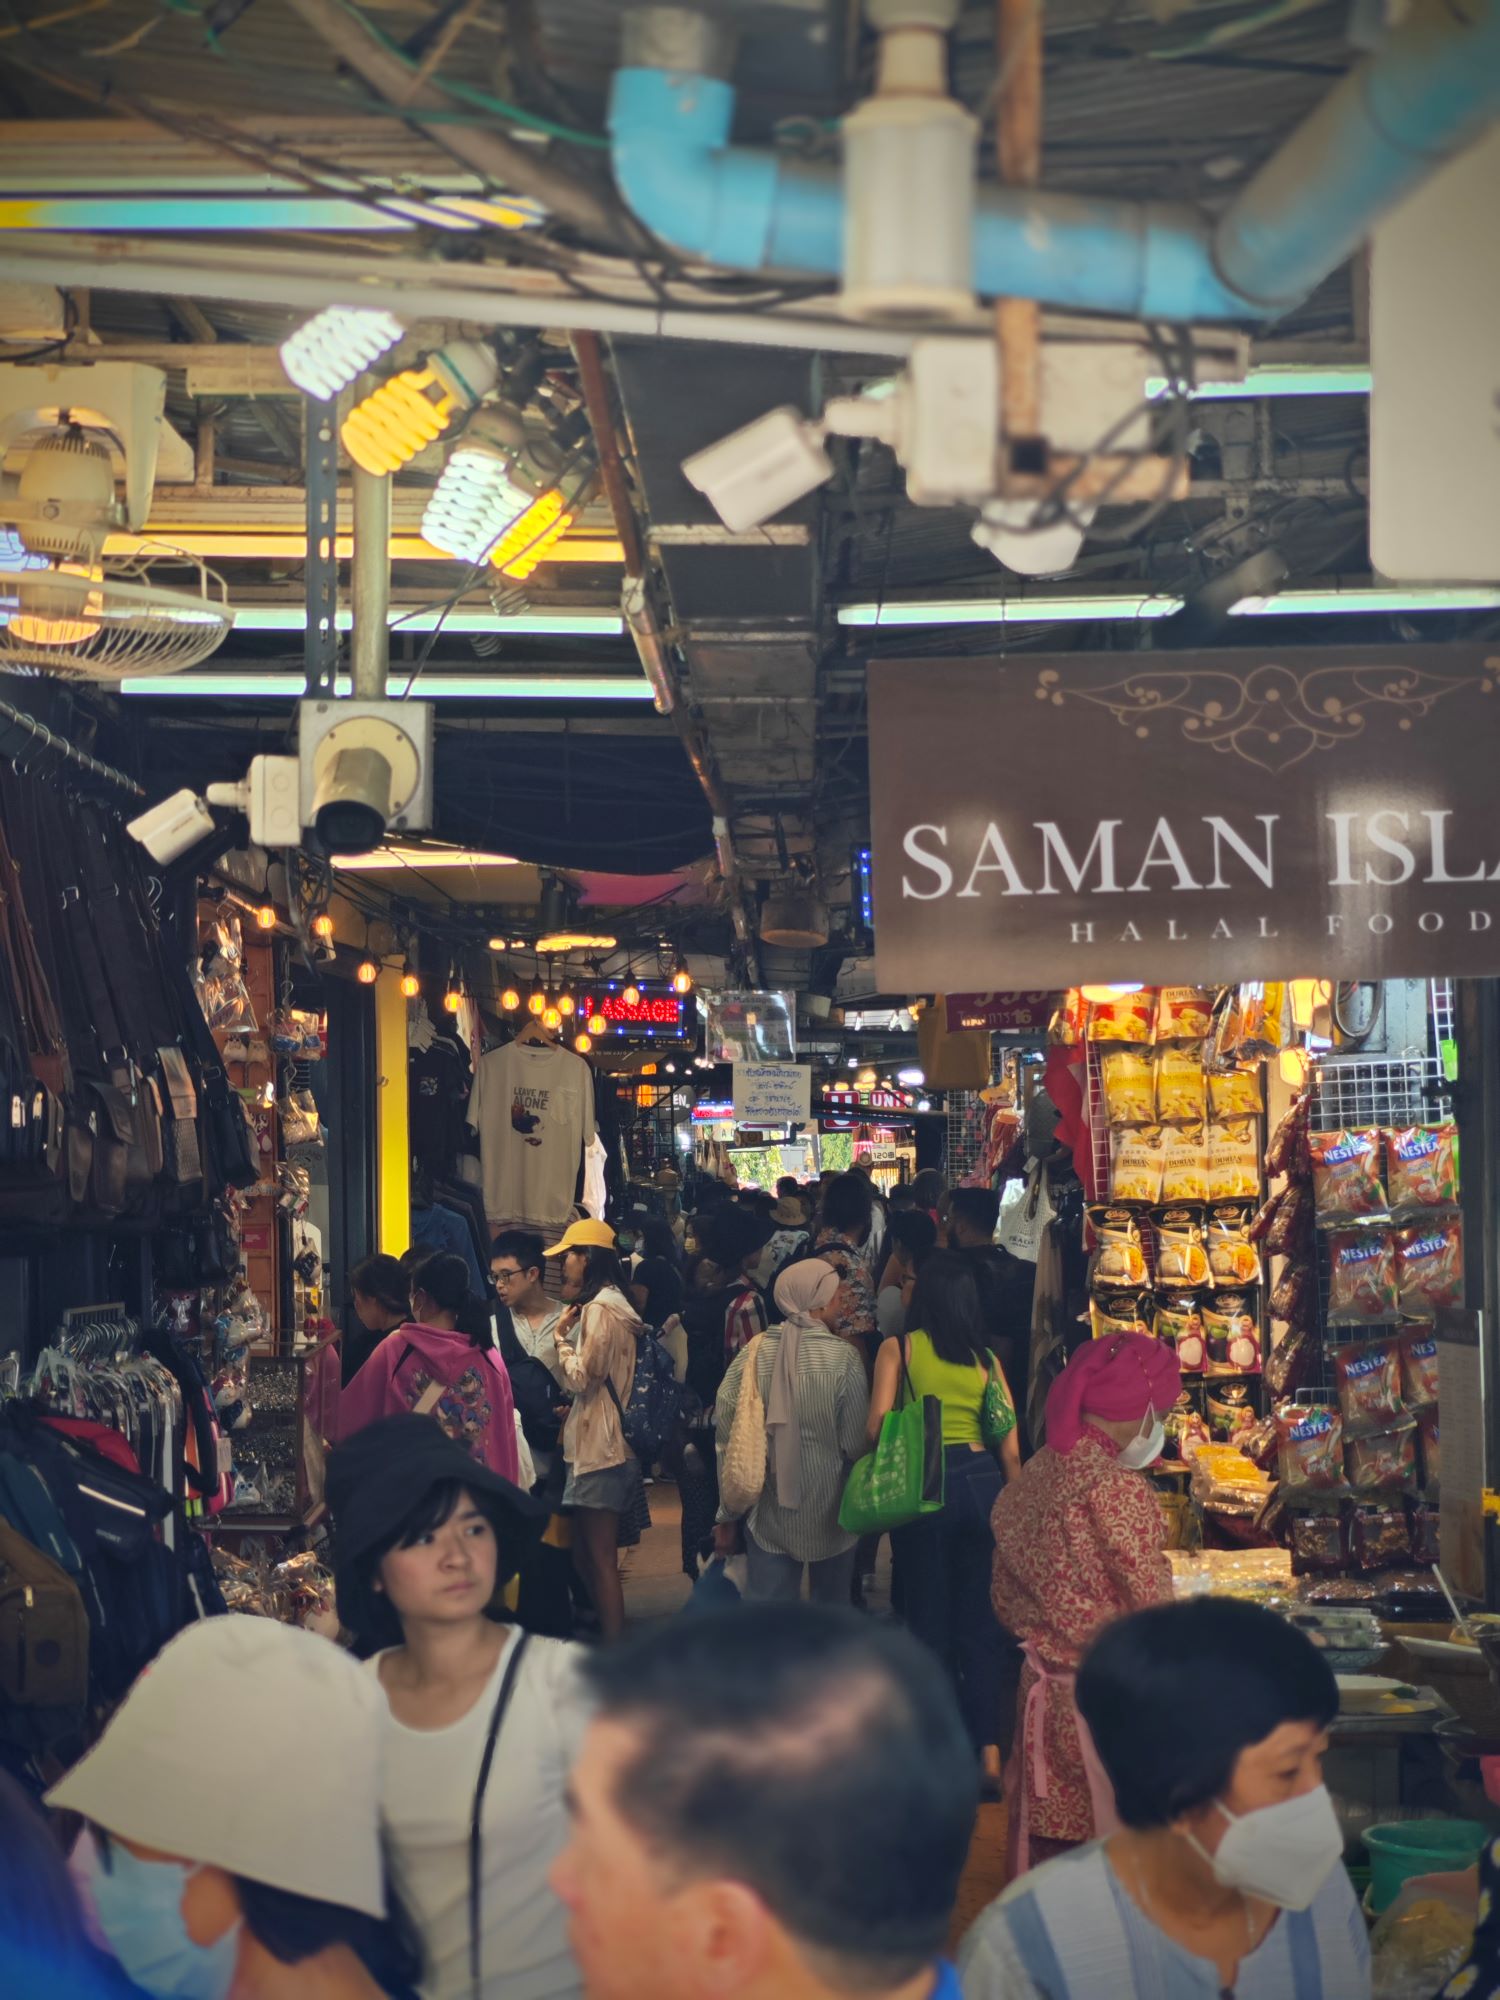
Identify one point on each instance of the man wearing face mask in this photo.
(1079, 1541)
(1211, 1720)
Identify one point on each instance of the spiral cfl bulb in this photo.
(405, 414)
(474, 502)
(335, 345)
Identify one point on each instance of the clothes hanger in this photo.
(534, 1035)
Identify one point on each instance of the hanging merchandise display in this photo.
(533, 1107)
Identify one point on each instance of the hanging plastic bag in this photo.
(1025, 1213)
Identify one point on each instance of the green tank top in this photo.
(960, 1390)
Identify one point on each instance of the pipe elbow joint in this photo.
(679, 176)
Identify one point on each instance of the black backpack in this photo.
(533, 1390)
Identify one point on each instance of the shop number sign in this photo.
(1002, 1013)
(772, 1093)
(1219, 815)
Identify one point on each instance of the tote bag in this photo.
(903, 1477)
(742, 1470)
(1024, 1216)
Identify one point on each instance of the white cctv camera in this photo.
(366, 769)
(170, 829)
(755, 472)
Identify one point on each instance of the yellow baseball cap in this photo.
(584, 1235)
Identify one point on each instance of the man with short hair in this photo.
(1005, 1282)
(516, 1265)
(774, 1802)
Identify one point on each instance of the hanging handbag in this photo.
(903, 1477)
(997, 1418)
(1025, 1212)
(742, 1463)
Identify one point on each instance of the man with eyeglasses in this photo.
(529, 1320)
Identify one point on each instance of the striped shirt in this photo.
(833, 1401)
(1068, 1931)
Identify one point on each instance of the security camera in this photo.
(366, 769)
(167, 831)
(755, 472)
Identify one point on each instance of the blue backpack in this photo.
(650, 1417)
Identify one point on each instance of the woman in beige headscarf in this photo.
(812, 1383)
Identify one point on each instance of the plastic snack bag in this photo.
(1117, 1312)
(1233, 1161)
(1181, 1260)
(1136, 1167)
(1292, 1224)
(1119, 1260)
(1422, 1167)
(1379, 1536)
(1184, 1173)
(1346, 1175)
(1069, 1025)
(1129, 1017)
(1288, 1152)
(1385, 1463)
(1233, 1336)
(1295, 1297)
(1129, 1088)
(1236, 1094)
(1319, 1546)
(1179, 1324)
(1289, 1363)
(1432, 1452)
(1312, 1449)
(1229, 1411)
(1369, 1378)
(1183, 1014)
(1181, 1095)
(1430, 1266)
(1362, 1276)
(1232, 1262)
(1419, 1368)
(1265, 1020)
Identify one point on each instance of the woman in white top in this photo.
(484, 1720)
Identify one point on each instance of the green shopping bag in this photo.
(996, 1417)
(902, 1478)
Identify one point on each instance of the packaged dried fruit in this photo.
(1288, 1152)
(1236, 1094)
(1361, 1276)
(1346, 1175)
(1136, 1165)
(1069, 1025)
(1232, 1259)
(1430, 1267)
(1295, 1296)
(1378, 1536)
(1233, 1336)
(1179, 1324)
(1184, 1164)
(1183, 1014)
(1181, 1092)
(1265, 1019)
(1385, 1463)
(1128, 1017)
(1419, 1368)
(1289, 1363)
(1233, 1161)
(1292, 1224)
(1422, 1167)
(1181, 1259)
(1369, 1377)
(1119, 1259)
(1117, 1312)
(1129, 1087)
(1319, 1545)
(1229, 1412)
(1312, 1449)
(1432, 1455)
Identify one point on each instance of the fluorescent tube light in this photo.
(408, 618)
(1012, 611)
(426, 687)
(1368, 597)
(1306, 379)
(424, 857)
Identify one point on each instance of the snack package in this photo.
(1422, 1167)
(1265, 1020)
(1129, 1087)
(1183, 1014)
(1385, 1463)
(1229, 1412)
(1289, 1363)
(1361, 1276)
(1346, 1175)
(1430, 1267)
(1233, 1336)
(1069, 1025)
(1117, 1312)
(1318, 1543)
(1184, 1164)
(1295, 1297)
(1119, 1261)
(1192, 1434)
(1232, 1262)
(1235, 1094)
(1136, 1165)
(1179, 1324)
(1261, 1443)
(1181, 1260)
(1432, 1452)
(1419, 1368)
(1292, 1224)
(1233, 1161)
(1369, 1377)
(1288, 1151)
(1181, 1093)
(1426, 1549)
(1378, 1536)
(1228, 1019)
(1312, 1449)
(1129, 1017)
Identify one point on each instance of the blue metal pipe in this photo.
(1425, 94)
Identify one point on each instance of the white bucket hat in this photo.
(306, 1720)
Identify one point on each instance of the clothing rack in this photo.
(22, 733)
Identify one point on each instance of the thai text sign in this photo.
(772, 1093)
(1215, 816)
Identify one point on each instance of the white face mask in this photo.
(1145, 1447)
(1283, 1853)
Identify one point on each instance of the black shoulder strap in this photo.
(476, 1818)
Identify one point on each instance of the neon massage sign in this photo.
(657, 1015)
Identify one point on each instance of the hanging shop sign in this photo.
(1002, 1013)
(842, 1097)
(772, 1093)
(657, 1014)
(1230, 815)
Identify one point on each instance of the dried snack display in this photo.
(1430, 1267)
(1233, 1160)
(1126, 1017)
(1361, 1276)
(1291, 1225)
(1294, 1298)
(1118, 1260)
(1319, 1544)
(1265, 1020)
(1184, 1169)
(1312, 1449)
(1179, 1322)
(1136, 1165)
(1419, 1368)
(1385, 1463)
(1118, 1312)
(1346, 1175)
(1183, 1014)
(1181, 1259)
(1233, 1336)
(1288, 1153)
(1181, 1088)
(1229, 1410)
(1368, 1374)
(1236, 1093)
(1378, 1536)
(1232, 1259)
(1422, 1167)
(1290, 1363)
(1129, 1087)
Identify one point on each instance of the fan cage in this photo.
(129, 624)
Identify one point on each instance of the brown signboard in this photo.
(1002, 1013)
(1041, 821)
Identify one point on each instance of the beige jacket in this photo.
(604, 1344)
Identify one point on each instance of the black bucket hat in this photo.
(380, 1474)
(733, 1234)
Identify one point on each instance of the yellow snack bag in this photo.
(1184, 1164)
(1136, 1165)
(1236, 1094)
(1180, 1095)
(1129, 1088)
(1233, 1161)
(1183, 1014)
(1128, 1018)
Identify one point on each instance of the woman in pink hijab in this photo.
(1078, 1542)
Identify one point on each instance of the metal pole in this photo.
(320, 645)
(372, 583)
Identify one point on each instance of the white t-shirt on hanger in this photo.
(533, 1109)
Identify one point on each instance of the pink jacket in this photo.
(441, 1374)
